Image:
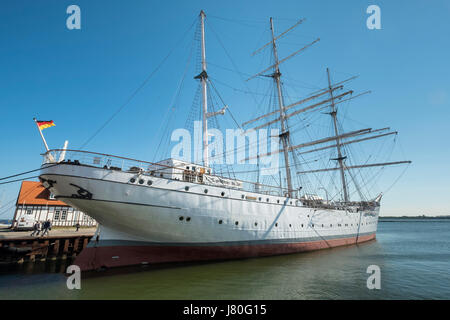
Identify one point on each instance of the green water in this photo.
(414, 258)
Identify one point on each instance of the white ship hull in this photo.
(164, 222)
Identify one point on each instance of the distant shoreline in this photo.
(413, 217)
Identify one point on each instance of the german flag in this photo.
(45, 124)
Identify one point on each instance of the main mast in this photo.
(203, 77)
(340, 158)
(285, 114)
(284, 131)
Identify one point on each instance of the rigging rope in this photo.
(19, 174)
(137, 90)
(14, 199)
(17, 180)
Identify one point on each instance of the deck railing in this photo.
(108, 161)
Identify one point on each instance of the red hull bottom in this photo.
(92, 258)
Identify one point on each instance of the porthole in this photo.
(220, 221)
(276, 224)
(181, 218)
(132, 180)
(312, 225)
(149, 182)
(236, 223)
(278, 201)
(267, 199)
(222, 194)
(259, 198)
(322, 225)
(206, 191)
(141, 181)
(302, 225)
(256, 223)
(290, 225)
(186, 188)
(331, 225)
(242, 196)
(188, 219)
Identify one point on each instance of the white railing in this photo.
(112, 162)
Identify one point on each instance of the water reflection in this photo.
(414, 262)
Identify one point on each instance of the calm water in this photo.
(414, 257)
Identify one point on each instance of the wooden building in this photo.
(36, 203)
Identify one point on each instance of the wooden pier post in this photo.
(20, 247)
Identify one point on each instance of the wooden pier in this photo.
(19, 247)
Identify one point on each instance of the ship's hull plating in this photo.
(119, 253)
(173, 221)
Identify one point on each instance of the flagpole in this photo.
(42, 136)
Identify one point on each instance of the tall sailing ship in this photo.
(174, 210)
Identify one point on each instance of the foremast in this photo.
(203, 76)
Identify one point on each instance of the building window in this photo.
(56, 217)
(29, 211)
(64, 215)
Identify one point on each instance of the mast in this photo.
(340, 158)
(284, 131)
(203, 77)
(257, 176)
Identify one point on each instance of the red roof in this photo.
(34, 193)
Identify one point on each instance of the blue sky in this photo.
(78, 78)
